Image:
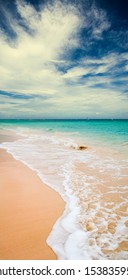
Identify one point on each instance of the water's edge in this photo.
(59, 230)
(92, 182)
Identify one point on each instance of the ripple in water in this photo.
(92, 181)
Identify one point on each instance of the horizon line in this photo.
(56, 119)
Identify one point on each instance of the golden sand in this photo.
(28, 211)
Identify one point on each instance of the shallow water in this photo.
(86, 162)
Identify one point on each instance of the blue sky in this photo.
(63, 59)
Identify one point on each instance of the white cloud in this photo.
(26, 66)
(29, 64)
(91, 66)
(75, 72)
(126, 68)
(98, 22)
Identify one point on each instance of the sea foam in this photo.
(94, 222)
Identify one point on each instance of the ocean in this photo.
(85, 161)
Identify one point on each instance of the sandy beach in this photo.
(28, 211)
(93, 182)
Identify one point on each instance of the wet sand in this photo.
(28, 211)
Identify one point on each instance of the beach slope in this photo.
(28, 211)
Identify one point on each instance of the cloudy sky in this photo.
(63, 59)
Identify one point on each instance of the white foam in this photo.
(75, 234)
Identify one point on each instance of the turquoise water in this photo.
(93, 181)
(113, 132)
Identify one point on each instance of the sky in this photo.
(64, 59)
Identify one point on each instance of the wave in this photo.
(95, 200)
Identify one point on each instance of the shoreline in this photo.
(28, 211)
(94, 185)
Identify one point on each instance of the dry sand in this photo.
(28, 211)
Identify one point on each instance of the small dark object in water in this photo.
(82, 148)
